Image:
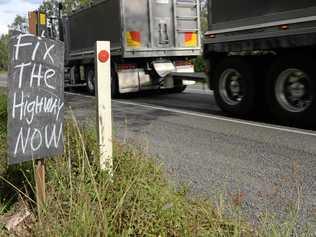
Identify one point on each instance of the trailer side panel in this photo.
(228, 14)
(99, 22)
(136, 29)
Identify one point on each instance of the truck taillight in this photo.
(183, 63)
(284, 27)
(126, 66)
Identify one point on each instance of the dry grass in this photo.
(137, 201)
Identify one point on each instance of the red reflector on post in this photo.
(103, 56)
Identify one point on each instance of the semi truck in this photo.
(150, 40)
(262, 56)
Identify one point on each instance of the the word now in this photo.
(34, 139)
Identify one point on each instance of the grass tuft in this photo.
(83, 201)
(3, 134)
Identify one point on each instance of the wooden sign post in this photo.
(35, 103)
(40, 183)
(104, 105)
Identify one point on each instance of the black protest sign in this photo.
(36, 98)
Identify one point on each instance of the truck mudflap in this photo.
(164, 68)
(134, 79)
(189, 78)
(167, 69)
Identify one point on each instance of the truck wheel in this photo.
(91, 82)
(115, 92)
(234, 88)
(291, 89)
(178, 87)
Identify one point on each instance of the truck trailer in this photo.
(261, 54)
(150, 39)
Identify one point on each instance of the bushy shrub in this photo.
(199, 64)
(4, 52)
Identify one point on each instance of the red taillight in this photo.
(210, 36)
(126, 66)
(183, 63)
(284, 27)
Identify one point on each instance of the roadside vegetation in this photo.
(82, 201)
(137, 201)
(199, 64)
(4, 54)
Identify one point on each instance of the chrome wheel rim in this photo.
(230, 87)
(293, 90)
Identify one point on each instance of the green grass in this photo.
(3, 129)
(136, 201)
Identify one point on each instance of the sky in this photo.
(10, 8)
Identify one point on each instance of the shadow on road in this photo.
(198, 103)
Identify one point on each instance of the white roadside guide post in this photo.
(104, 105)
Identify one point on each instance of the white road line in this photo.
(80, 95)
(259, 125)
(199, 91)
(220, 118)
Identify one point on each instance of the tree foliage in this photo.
(70, 5)
(19, 24)
(51, 6)
(204, 16)
(4, 52)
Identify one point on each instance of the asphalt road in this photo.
(269, 167)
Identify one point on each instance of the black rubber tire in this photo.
(115, 93)
(247, 105)
(178, 90)
(178, 87)
(303, 63)
(91, 83)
